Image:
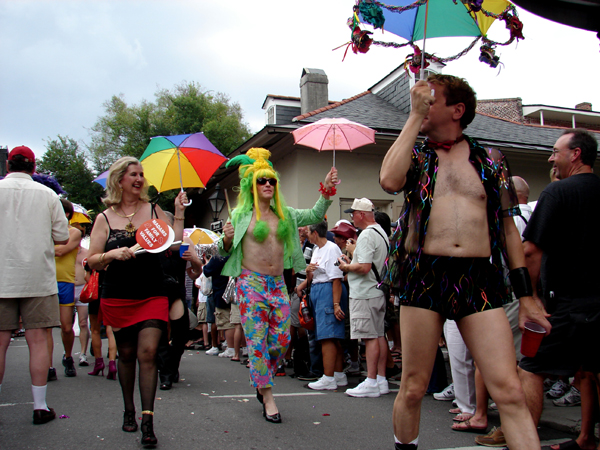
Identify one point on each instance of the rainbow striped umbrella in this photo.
(185, 160)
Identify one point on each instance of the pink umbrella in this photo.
(334, 134)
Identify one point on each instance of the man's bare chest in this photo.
(263, 231)
(456, 177)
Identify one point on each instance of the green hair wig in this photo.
(253, 165)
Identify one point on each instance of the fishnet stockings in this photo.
(139, 342)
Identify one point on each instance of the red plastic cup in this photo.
(532, 338)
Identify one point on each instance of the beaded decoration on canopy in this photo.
(424, 19)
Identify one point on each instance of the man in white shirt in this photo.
(32, 222)
(367, 303)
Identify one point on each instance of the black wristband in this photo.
(521, 283)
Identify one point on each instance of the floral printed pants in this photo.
(265, 311)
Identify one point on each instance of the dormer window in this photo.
(271, 115)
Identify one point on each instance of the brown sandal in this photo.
(468, 428)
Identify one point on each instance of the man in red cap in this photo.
(32, 221)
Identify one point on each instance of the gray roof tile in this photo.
(375, 112)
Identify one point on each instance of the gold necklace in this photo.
(130, 227)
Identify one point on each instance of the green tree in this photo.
(68, 163)
(187, 108)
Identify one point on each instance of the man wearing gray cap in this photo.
(367, 303)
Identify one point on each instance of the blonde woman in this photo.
(132, 300)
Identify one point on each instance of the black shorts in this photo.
(571, 344)
(94, 307)
(453, 287)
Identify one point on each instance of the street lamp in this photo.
(217, 202)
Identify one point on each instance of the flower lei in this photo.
(327, 192)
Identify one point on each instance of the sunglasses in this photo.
(263, 181)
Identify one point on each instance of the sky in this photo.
(60, 61)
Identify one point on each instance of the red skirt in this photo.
(122, 312)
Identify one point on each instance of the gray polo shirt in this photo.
(370, 248)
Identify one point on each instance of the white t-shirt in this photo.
(371, 247)
(31, 219)
(526, 212)
(199, 282)
(326, 257)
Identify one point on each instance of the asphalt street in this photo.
(212, 407)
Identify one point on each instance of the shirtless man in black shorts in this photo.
(457, 213)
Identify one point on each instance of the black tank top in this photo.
(137, 278)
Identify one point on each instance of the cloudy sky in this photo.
(61, 60)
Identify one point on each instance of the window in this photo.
(271, 115)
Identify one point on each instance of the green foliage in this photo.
(66, 162)
(127, 130)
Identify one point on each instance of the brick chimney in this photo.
(3, 158)
(313, 90)
(585, 106)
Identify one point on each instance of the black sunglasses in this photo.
(263, 181)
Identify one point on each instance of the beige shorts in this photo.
(201, 312)
(227, 318)
(367, 318)
(235, 317)
(36, 312)
(512, 313)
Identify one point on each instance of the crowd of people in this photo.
(469, 261)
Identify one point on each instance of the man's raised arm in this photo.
(396, 163)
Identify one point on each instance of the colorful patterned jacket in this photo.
(491, 166)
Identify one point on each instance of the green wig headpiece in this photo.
(253, 165)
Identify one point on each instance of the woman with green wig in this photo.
(262, 238)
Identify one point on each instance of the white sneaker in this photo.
(323, 384)
(446, 395)
(383, 386)
(227, 353)
(571, 398)
(353, 369)
(213, 351)
(364, 390)
(340, 380)
(83, 360)
(558, 389)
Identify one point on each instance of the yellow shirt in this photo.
(65, 266)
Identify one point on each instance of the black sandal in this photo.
(148, 437)
(129, 423)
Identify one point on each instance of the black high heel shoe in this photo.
(259, 396)
(275, 418)
(129, 423)
(148, 437)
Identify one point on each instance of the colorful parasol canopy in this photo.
(201, 236)
(334, 134)
(80, 214)
(175, 162)
(416, 20)
(444, 19)
(101, 179)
